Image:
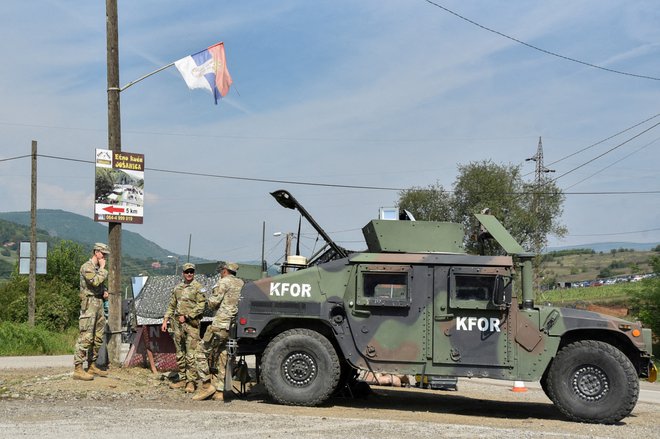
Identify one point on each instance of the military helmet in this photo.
(103, 248)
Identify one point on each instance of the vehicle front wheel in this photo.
(592, 381)
(300, 367)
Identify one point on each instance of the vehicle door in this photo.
(471, 331)
(387, 318)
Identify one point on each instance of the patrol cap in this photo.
(188, 266)
(231, 266)
(103, 248)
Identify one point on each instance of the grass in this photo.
(603, 294)
(572, 268)
(19, 339)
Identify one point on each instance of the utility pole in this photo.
(114, 144)
(539, 182)
(32, 281)
(539, 177)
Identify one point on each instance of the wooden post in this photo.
(114, 144)
(32, 281)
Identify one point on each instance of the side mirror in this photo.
(502, 295)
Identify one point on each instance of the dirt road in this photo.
(135, 403)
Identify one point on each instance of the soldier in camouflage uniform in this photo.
(214, 347)
(92, 320)
(185, 311)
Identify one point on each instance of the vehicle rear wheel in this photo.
(592, 381)
(300, 367)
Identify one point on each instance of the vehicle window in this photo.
(474, 287)
(386, 286)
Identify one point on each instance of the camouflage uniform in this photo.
(187, 300)
(92, 320)
(213, 351)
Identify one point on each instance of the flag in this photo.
(207, 69)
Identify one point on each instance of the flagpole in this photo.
(143, 77)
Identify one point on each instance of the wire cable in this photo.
(619, 233)
(606, 152)
(305, 183)
(16, 158)
(547, 52)
(597, 143)
(614, 163)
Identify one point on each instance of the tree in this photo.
(64, 261)
(57, 292)
(427, 204)
(530, 213)
(104, 182)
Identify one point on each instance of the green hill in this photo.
(587, 264)
(60, 224)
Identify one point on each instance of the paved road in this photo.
(649, 392)
(36, 362)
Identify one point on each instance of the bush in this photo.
(645, 304)
(57, 302)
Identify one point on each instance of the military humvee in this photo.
(415, 303)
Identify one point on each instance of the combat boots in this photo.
(190, 387)
(178, 385)
(204, 392)
(96, 371)
(80, 374)
(219, 396)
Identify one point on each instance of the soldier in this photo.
(214, 347)
(92, 320)
(185, 309)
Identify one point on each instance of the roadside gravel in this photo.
(135, 403)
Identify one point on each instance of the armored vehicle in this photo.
(416, 303)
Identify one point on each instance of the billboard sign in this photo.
(119, 187)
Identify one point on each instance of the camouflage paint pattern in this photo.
(415, 303)
(424, 327)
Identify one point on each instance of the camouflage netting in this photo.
(152, 302)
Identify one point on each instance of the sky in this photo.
(387, 94)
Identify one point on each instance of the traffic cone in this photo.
(519, 386)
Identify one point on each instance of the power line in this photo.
(606, 152)
(547, 52)
(16, 158)
(619, 233)
(604, 140)
(598, 143)
(306, 183)
(614, 163)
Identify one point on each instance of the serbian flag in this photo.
(206, 69)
